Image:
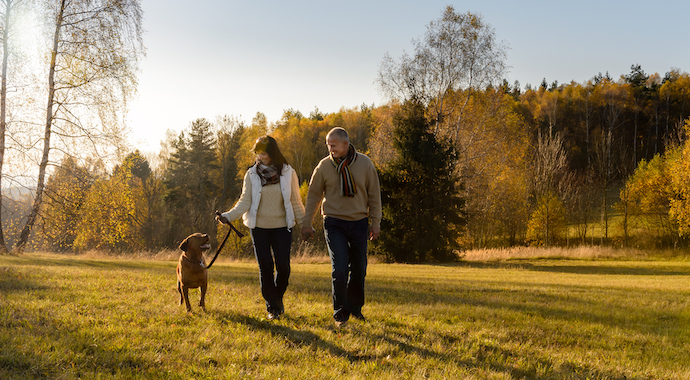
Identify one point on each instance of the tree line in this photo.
(465, 158)
(549, 162)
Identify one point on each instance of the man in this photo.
(347, 183)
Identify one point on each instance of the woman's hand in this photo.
(220, 218)
(307, 232)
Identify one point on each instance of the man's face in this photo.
(336, 147)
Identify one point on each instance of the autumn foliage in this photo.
(532, 167)
(604, 161)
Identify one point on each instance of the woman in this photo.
(270, 205)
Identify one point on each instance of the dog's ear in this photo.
(183, 245)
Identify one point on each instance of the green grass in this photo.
(68, 317)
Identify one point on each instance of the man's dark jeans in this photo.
(273, 287)
(347, 246)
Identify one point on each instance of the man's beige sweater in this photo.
(325, 185)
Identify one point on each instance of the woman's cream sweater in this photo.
(270, 206)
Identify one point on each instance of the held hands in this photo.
(374, 233)
(307, 232)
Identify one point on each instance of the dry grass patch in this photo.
(581, 252)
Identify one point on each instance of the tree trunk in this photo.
(589, 155)
(26, 231)
(605, 215)
(635, 139)
(3, 101)
(546, 235)
(656, 131)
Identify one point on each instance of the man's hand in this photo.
(307, 232)
(374, 233)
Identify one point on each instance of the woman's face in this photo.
(264, 158)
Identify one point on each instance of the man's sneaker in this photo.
(359, 316)
(340, 324)
(273, 315)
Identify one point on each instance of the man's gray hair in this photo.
(339, 133)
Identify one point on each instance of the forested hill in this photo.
(534, 163)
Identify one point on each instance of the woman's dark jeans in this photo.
(273, 286)
(347, 246)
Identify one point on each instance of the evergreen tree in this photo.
(191, 192)
(147, 191)
(422, 206)
(228, 142)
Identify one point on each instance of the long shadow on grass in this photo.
(105, 264)
(301, 338)
(483, 356)
(293, 337)
(499, 359)
(567, 303)
(68, 348)
(219, 272)
(474, 353)
(13, 280)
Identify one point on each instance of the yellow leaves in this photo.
(649, 186)
(547, 220)
(303, 191)
(679, 207)
(106, 220)
(661, 186)
(677, 87)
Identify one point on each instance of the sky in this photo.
(209, 58)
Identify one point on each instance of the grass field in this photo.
(69, 317)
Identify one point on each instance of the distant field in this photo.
(69, 317)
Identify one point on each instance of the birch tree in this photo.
(550, 176)
(455, 73)
(3, 99)
(9, 7)
(614, 97)
(459, 53)
(94, 55)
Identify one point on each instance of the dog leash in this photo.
(232, 228)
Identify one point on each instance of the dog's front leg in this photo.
(202, 299)
(185, 293)
(179, 290)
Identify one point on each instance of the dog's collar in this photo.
(201, 262)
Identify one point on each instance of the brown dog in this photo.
(191, 269)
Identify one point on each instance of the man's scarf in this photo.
(268, 174)
(342, 167)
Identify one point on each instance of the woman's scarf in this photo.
(269, 175)
(342, 167)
